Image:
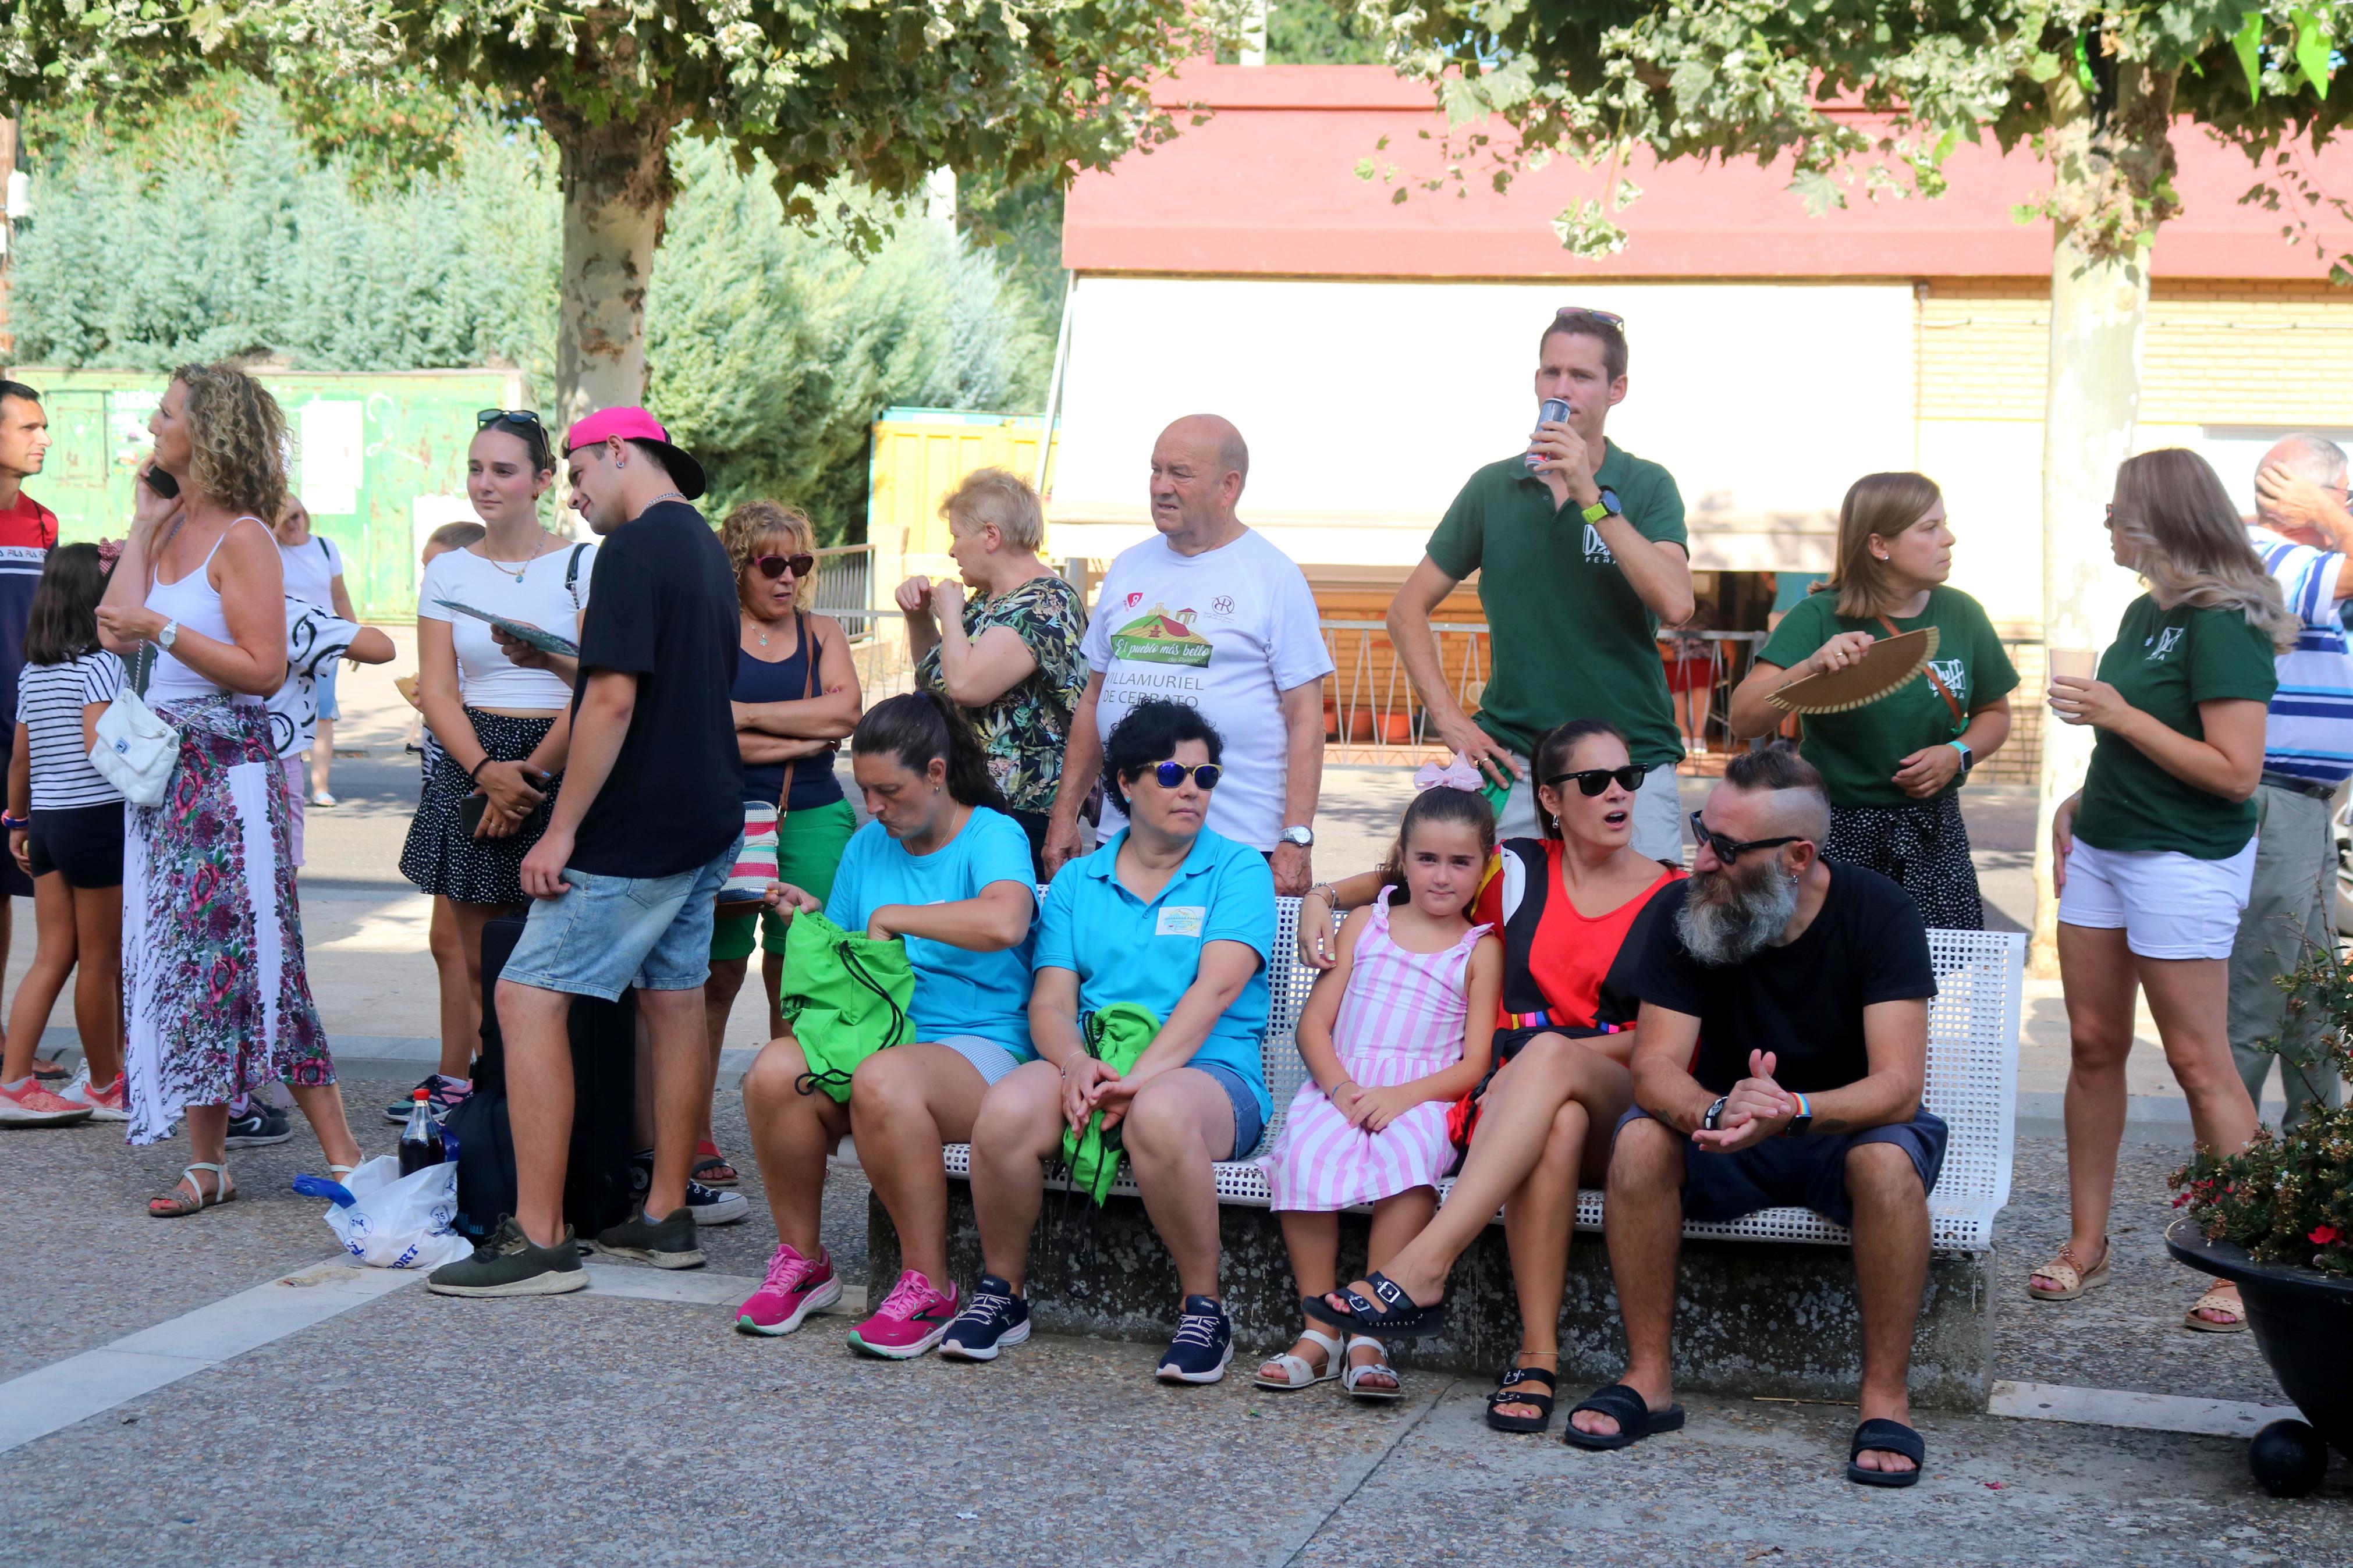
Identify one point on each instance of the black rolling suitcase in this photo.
(596, 1181)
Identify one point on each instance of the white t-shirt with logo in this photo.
(1227, 631)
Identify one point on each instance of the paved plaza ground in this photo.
(221, 1390)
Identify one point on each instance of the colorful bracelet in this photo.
(16, 824)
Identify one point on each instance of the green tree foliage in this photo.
(1321, 33)
(210, 231)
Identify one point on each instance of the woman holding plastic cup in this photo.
(1893, 767)
(2152, 857)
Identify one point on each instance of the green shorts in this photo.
(809, 843)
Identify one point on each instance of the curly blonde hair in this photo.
(755, 524)
(236, 439)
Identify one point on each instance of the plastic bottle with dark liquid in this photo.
(420, 1141)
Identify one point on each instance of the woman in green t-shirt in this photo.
(2152, 857)
(1894, 768)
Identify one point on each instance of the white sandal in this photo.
(1296, 1371)
(1353, 1378)
(223, 1192)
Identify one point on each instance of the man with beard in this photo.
(1778, 1059)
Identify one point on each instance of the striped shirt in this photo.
(49, 700)
(2308, 734)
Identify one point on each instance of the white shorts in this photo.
(2169, 904)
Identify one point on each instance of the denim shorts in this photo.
(1248, 1123)
(1798, 1173)
(609, 933)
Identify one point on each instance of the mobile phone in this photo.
(161, 483)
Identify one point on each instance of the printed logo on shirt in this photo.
(1160, 637)
(1222, 605)
(1597, 551)
(1181, 920)
(2166, 640)
(1954, 674)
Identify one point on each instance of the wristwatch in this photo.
(1607, 505)
(1803, 1120)
(1303, 837)
(1715, 1114)
(1968, 758)
(168, 636)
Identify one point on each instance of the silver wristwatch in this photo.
(168, 636)
(1303, 837)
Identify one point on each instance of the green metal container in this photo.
(380, 460)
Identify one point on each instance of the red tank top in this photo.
(1557, 961)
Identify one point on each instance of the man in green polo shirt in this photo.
(1579, 560)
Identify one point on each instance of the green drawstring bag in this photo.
(1116, 1036)
(846, 998)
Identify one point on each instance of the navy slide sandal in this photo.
(1636, 1420)
(1888, 1437)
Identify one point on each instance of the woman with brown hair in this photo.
(2152, 858)
(214, 990)
(795, 697)
(1894, 768)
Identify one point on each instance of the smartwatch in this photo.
(1714, 1115)
(1803, 1120)
(1303, 837)
(1968, 758)
(1607, 505)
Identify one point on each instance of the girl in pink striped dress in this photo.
(1394, 1033)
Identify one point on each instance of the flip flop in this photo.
(1888, 1437)
(1636, 1420)
(1393, 1311)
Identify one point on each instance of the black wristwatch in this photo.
(1715, 1114)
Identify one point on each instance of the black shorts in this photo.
(1796, 1172)
(83, 843)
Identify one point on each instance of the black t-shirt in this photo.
(661, 606)
(1803, 1002)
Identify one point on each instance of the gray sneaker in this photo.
(670, 1243)
(507, 1264)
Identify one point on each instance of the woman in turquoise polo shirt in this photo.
(945, 870)
(2153, 857)
(1894, 768)
(1180, 922)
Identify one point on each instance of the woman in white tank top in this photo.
(217, 1000)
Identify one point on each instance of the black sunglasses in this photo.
(1730, 850)
(1171, 774)
(799, 564)
(1568, 312)
(1593, 781)
(486, 418)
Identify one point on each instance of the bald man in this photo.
(1211, 614)
(2302, 531)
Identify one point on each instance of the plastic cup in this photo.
(2074, 663)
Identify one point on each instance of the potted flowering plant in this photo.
(2277, 1219)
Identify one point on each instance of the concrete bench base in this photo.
(1754, 1318)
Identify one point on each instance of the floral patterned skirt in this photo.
(213, 979)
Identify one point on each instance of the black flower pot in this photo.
(2302, 1320)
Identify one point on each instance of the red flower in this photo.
(2182, 1201)
(2323, 1235)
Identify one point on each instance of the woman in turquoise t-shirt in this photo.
(943, 869)
(2153, 857)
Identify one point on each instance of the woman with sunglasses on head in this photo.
(500, 714)
(1893, 767)
(2154, 857)
(1010, 656)
(1572, 907)
(796, 696)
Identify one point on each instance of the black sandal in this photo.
(1509, 1391)
(1636, 1420)
(1404, 1319)
(1887, 1437)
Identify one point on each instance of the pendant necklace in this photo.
(516, 571)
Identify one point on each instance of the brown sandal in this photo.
(178, 1203)
(2073, 1277)
(2214, 1300)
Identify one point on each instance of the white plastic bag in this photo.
(136, 750)
(400, 1222)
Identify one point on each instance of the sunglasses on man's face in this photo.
(774, 566)
(1593, 781)
(1729, 850)
(1170, 775)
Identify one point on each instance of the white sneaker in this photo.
(109, 1104)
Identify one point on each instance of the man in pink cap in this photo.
(636, 847)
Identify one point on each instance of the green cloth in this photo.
(2164, 663)
(809, 842)
(846, 998)
(1569, 637)
(1116, 1036)
(1859, 751)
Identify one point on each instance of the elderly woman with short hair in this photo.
(1009, 655)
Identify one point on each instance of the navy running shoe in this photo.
(1203, 1345)
(995, 1319)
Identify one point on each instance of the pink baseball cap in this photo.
(634, 424)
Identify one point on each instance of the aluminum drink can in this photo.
(1552, 411)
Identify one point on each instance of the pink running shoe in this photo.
(30, 1105)
(794, 1289)
(913, 1318)
(109, 1104)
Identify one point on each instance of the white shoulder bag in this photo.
(136, 750)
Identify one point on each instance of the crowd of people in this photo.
(1078, 827)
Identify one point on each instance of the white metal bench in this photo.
(1973, 1025)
